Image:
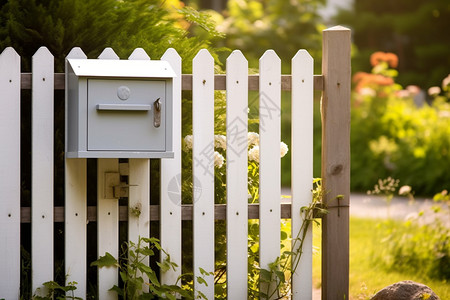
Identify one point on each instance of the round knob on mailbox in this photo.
(123, 92)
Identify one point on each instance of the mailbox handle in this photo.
(157, 113)
(128, 107)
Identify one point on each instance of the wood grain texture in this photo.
(336, 69)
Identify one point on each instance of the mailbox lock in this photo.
(157, 113)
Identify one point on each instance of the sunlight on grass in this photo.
(366, 276)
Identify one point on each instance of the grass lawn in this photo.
(366, 277)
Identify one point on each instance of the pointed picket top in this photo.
(337, 28)
(43, 53)
(9, 52)
(302, 62)
(203, 55)
(8, 59)
(302, 54)
(43, 62)
(171, 55)
(236, 56)
(270, 69)
(268, 58)
(108, 53)
(76, 52)
(139, 54)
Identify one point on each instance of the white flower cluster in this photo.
(220, 141)
(252, 139)
(283, 149)
(188, 141)
(253, 152)
(218, 159)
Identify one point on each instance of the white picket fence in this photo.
(203, 82)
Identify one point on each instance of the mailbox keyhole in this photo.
(157, 113)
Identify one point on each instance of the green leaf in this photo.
(118, 290)
(202, 281)
(153, 279)
(265, 275)
(105, 261)
(280, 276)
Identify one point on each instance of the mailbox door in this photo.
(121, 115)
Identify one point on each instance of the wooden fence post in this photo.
(336, 70)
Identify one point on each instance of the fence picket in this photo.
(107, 217)
(203, 168)
(302, 166)
(10, 174)
(171, 181)
(139, 191)
(42, 169)
(270, 163)
(75, 213)
(237, 212)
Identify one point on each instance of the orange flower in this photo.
(388, 57)
(363, 79)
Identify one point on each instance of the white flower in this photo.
(283, 149)
(367, 92)
(404, 190)
(413, 89)
(253, 154)
(220, 141)
(403, 94)
(188, 140)
(218, 159)
(252, 138)
(434, 91)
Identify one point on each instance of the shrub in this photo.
(418, 247)
(393, 136)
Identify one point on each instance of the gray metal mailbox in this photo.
(118, 108)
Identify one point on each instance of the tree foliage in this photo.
(414, 30)
(282, 25)
(60, 25)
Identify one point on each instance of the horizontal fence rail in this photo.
(219, 82)
(154, 212)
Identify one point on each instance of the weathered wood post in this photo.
(336, 70)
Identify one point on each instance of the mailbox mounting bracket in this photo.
(114, 187)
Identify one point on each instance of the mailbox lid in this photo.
(121, 68)
(120, 115)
